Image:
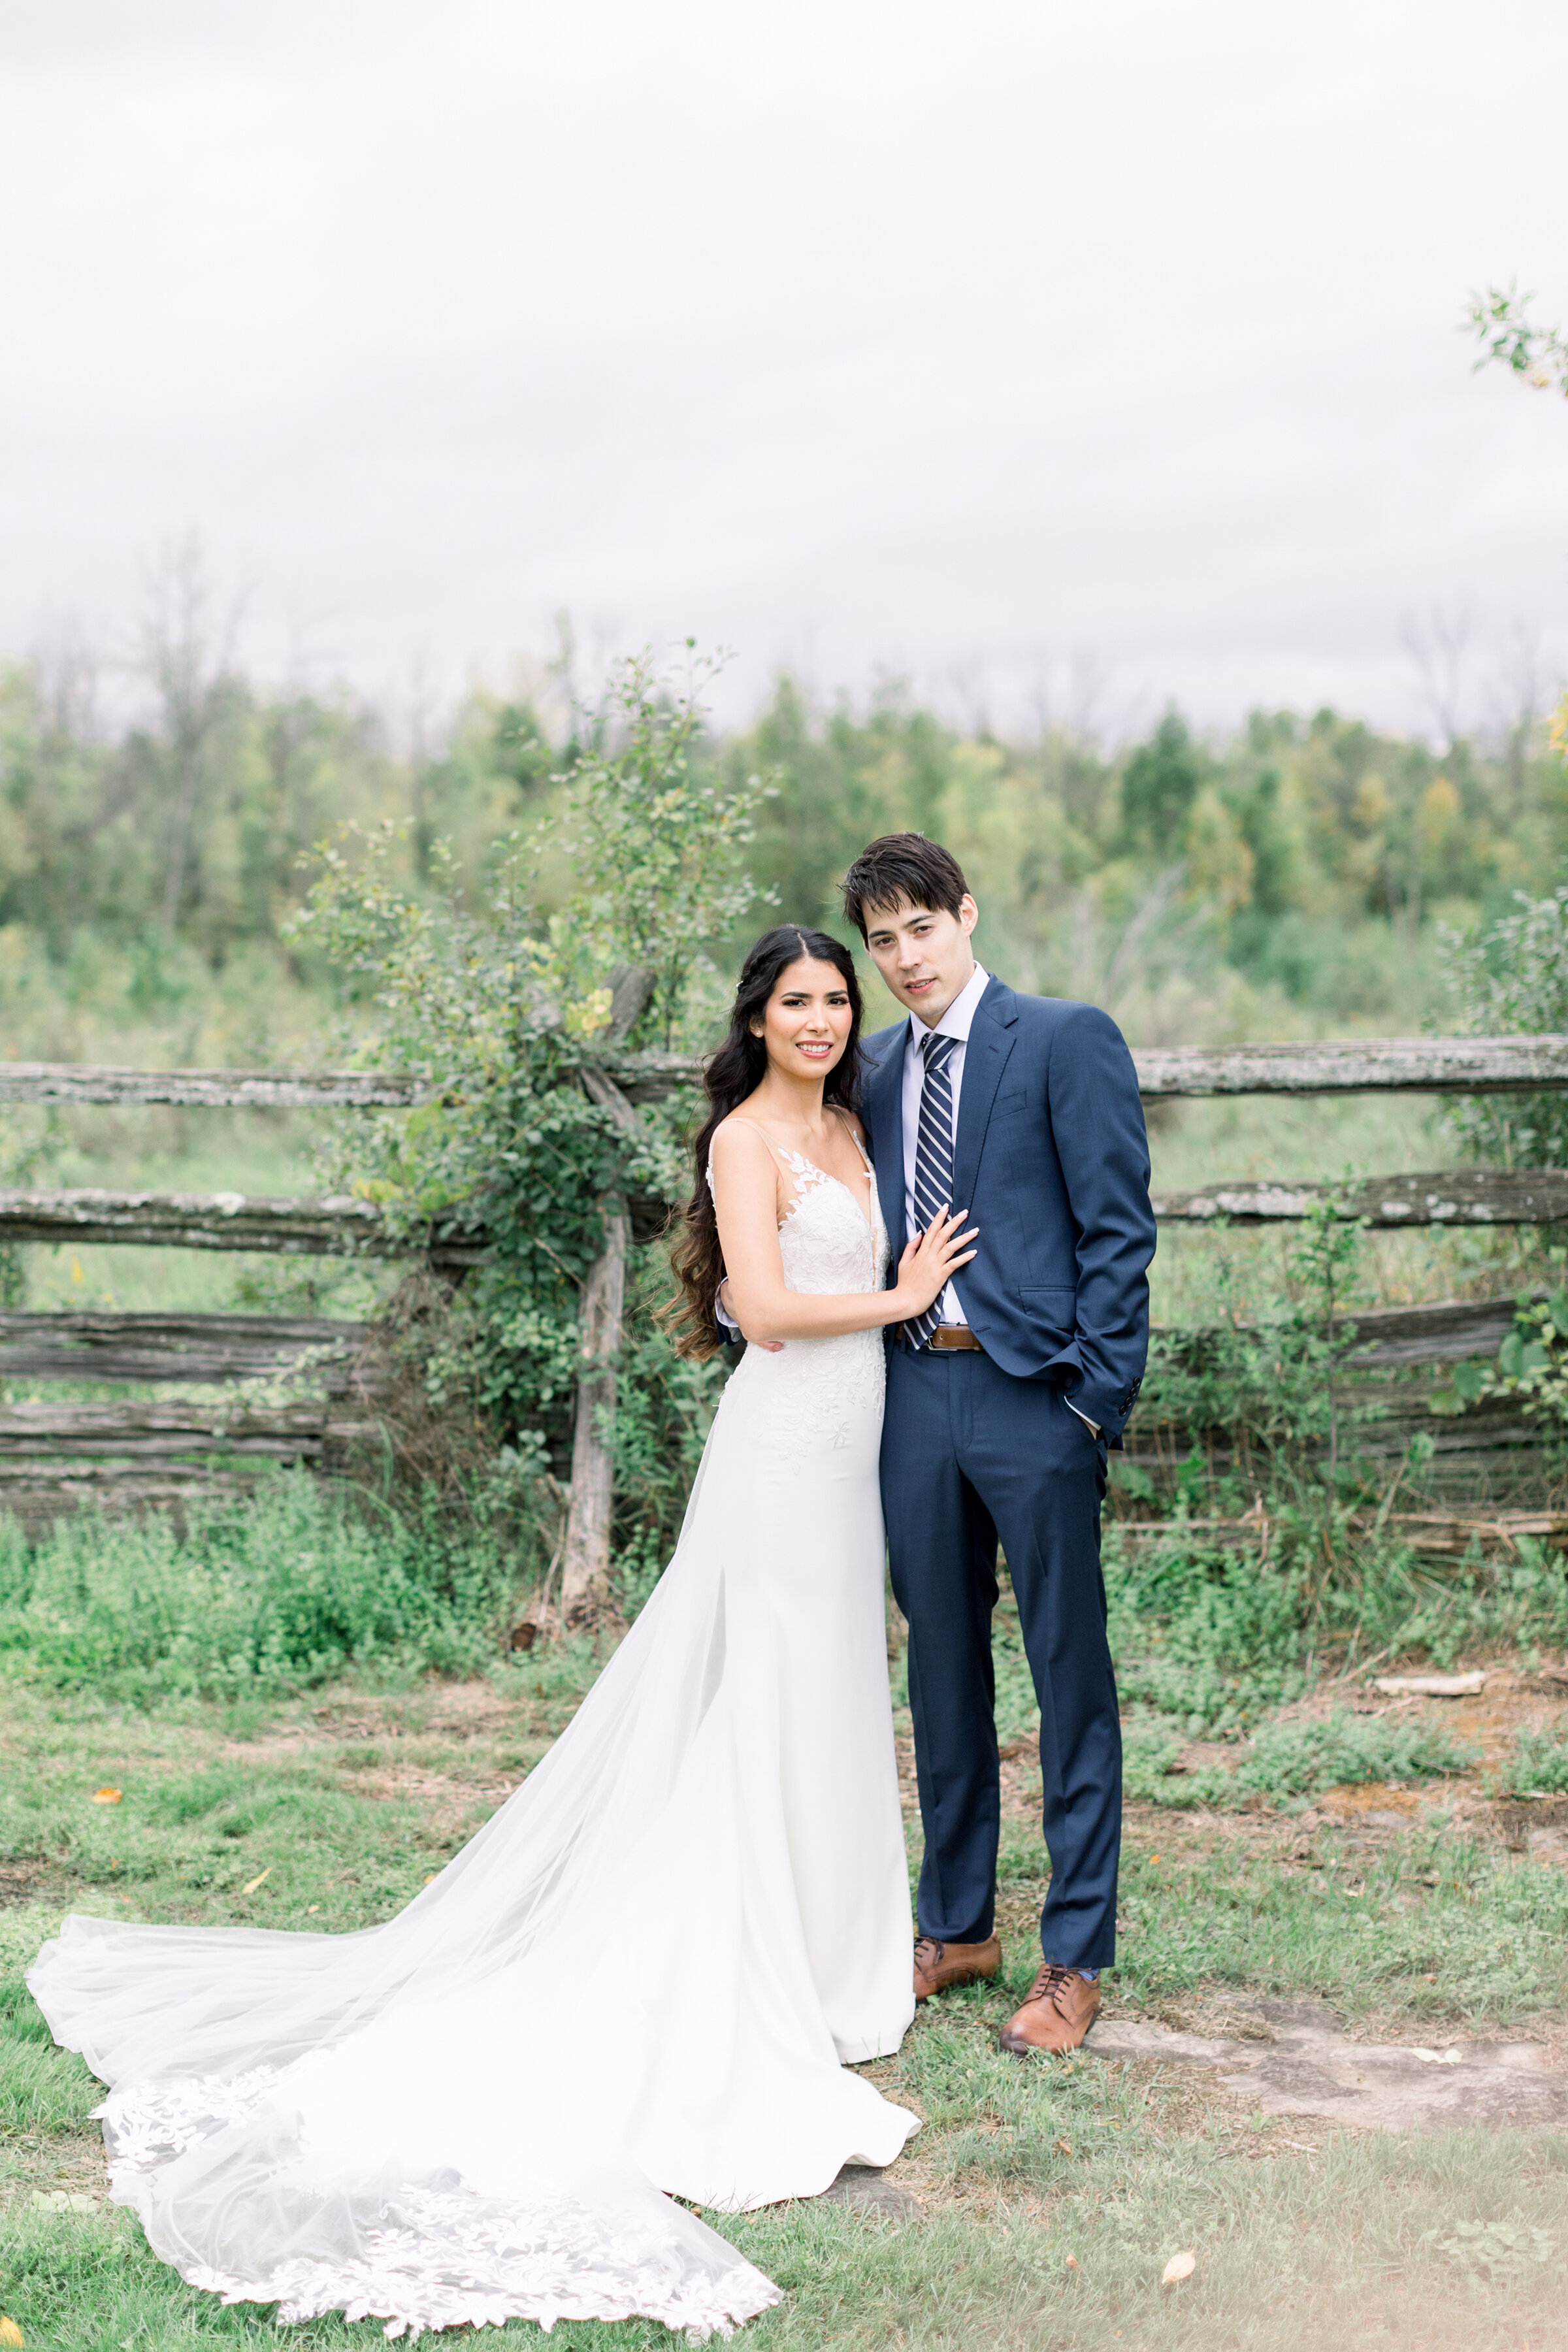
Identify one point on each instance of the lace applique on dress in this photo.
(432, 2254)
(807, 1175)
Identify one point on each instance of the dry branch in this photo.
(1358, 1065)
(209, 1349)
(336, 1227)
(291, 1433)
(1443, 1333)
(1435, 1535)
(1455, 1196)
(1446, 1332)
(80, 1082)
(585, 1558)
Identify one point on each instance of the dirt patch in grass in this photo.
(19, 1882)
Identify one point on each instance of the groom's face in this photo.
(923, 953)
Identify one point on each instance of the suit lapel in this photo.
(884, 1107)
(991, 1041)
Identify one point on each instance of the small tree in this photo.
(591, 940)
(1509, 981)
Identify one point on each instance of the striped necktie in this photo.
(933, 1162)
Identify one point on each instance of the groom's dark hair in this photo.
(903, 869)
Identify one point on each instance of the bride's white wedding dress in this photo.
(638, 1982)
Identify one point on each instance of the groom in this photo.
(1022, 1112)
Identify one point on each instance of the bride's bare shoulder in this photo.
(739, 1142)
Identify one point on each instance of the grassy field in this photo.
(1054, 2192)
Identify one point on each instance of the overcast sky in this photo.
(1100, 353)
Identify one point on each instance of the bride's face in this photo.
(806, 1026)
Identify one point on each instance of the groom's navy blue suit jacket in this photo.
(1052, 1164)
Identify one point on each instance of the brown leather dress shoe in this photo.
(938, 1966)
(1057, 2011)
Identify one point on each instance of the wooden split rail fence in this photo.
(52, 1455)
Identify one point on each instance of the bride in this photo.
(644, 1979)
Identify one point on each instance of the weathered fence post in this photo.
(585, 1556)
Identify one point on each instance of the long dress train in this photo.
(638, 1981)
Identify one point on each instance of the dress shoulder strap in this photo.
(739, 1121)
(777, 1151)
(804, 1174)
(855, 1136)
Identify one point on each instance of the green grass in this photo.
(349, 1798)
(259, 1693)
(1428, 1927)
(1291, 2254)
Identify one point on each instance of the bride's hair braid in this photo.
(734, 1073)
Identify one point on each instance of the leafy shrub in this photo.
(1537, 1766)
(1512, 979)
(498, 999)
(1290, 1758)
(501, 996)
(1531, 1366)
(294, 1586)
(1300, 1758)
(1199, 1633)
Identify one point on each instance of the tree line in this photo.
(1307, 857)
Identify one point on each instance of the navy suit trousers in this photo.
(970, 1454)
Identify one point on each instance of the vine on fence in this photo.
(1509, 981)
(1532, 1364)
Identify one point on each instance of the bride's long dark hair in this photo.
(734, 1073)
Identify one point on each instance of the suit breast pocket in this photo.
(1008, 1105)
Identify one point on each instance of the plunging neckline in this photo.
(825, 1176)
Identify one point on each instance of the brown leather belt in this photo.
(952, 1335)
